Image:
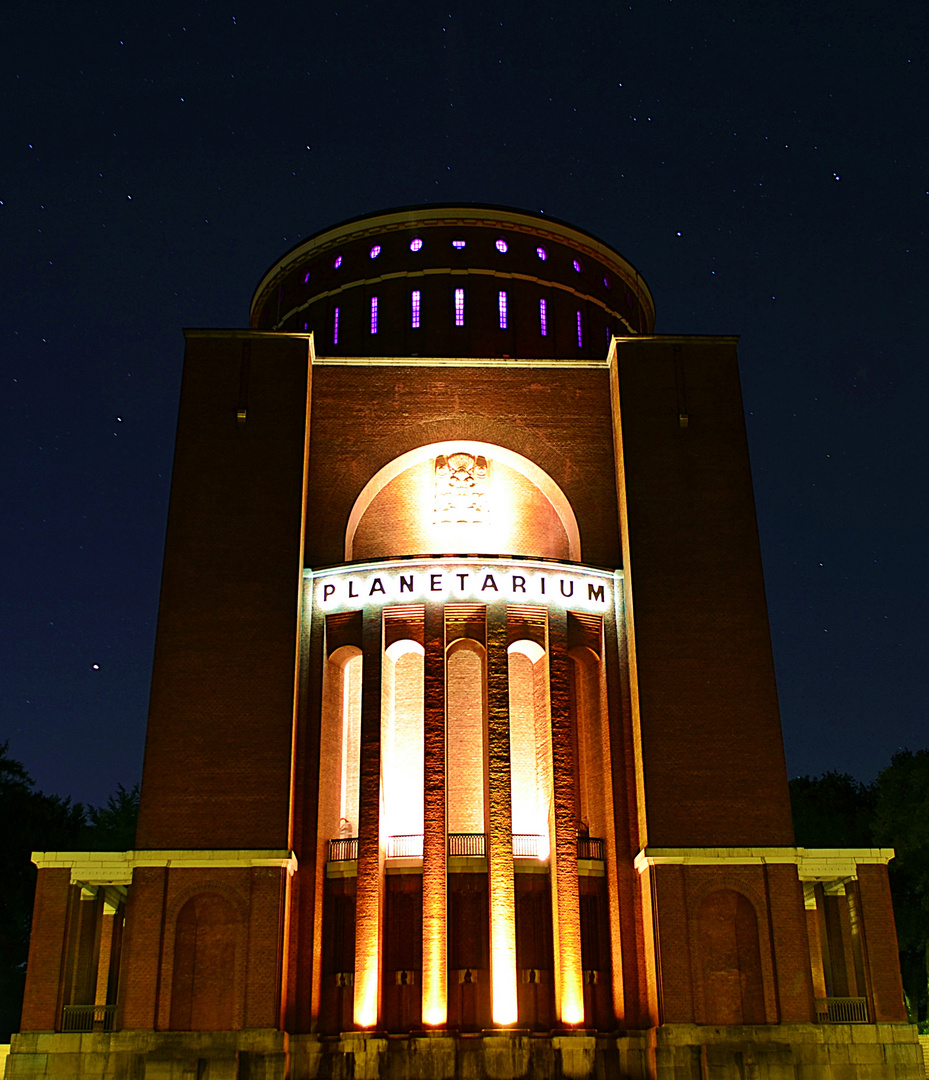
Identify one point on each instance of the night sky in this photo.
(763, 164)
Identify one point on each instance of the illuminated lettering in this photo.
(378, 586)
(461, 579)
(406, 583)
(571, 592)
(595, 592)
(328, 590)
(519, 583)
(351, 589)
(489, 583)
(435, 582)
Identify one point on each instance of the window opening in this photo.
(337, 263)
(577, 266)
(580, 332)
(502, 246)
(459, 307)
(414, 309)
(335, 327)
(543, 318)
(542, 253)
(415, 244)
(373, 314)
(459, 244)
(501, 306)
(375, 251)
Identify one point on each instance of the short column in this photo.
(435, 844)
(500, 823)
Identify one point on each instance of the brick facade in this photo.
(269, 924)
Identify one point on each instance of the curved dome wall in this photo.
(455, 281)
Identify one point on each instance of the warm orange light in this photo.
(503, 963)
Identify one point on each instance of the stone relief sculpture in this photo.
(461, 489)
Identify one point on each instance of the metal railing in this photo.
(526, 845)
(343, 850)
(590, 847)
(842, 1010)
(463, 843)
(88, 1017)
(405, 847)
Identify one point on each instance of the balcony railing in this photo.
(463, 843)
(525, 846)
(343, 850)
(842, 1010)
(88, 1017)
(405, 847)
(590, 847)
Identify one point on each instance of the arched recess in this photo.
(402, 737)
(733, 983)
(207, 942)
(530, 742)
(528, 513)
(340, 744)
(466, 695)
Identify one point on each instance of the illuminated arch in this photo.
(536, 477)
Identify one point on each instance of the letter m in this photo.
(595, 592)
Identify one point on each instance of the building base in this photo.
(671, 1052)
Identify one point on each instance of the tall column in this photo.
(500, 822)
(566, 916)
(435, 844)
(369, 900)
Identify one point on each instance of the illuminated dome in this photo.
(455, 281)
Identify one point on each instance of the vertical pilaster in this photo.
(435, 846)
(369, 908)
(566, 921)
(500, 822)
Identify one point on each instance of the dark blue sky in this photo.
(764, 165)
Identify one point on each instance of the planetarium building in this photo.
(463, 756)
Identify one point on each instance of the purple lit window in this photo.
(577, 266)
(414, 309)
(502, 246)
(501, 307)
(542, 253)
(306, 277)
(375, 251)
(337, 263)
(543, 318)
(415, 244)
(374, 314)
(335, 327)
(459, 244)
(459, 307)
(606, 283)
(580, 332)
(608, 337)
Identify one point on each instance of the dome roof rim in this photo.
(429, 214)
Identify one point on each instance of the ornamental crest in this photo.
(461, 489)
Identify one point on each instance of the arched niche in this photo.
(497, 502)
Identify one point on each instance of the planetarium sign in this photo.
(462, 580)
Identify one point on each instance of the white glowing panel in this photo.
(413, 581)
